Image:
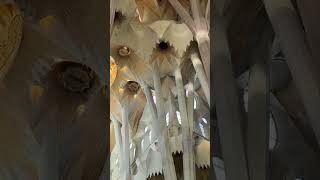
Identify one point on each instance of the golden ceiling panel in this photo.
(113, 71)
(10, 35)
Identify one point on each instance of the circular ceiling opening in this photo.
(118, 17)
(163, 45)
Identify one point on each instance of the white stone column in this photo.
(125, 175)
(190, 103)
(157, 88)
(117, 131)
(198, 27)
(187, 166)
(154, 123)
(201, 35)
(112, 14)
(184, 14)
(197, 64)
(167, 163)
(173, 123)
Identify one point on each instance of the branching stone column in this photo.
(184, 14)
(126, 158)
(258, 110)
(118, 139)
(186, 136)
(227, 105)
(198, 27)
(112, 14)
(157, 88)
(168, 163)
(141, 168)
(207, 14)
(160, 131)
(201, 75)
(173, 123)
(201, 34)
(190, 104)
(288, 28)
(154, 123)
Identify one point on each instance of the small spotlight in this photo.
(124, 51)
(133, 86)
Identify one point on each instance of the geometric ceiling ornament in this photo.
(177, 35)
